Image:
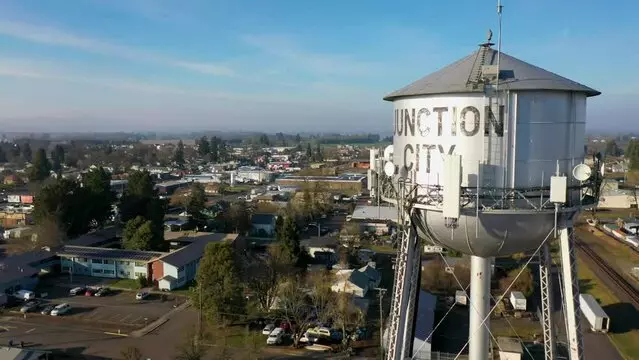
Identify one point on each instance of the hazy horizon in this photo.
(282, 66)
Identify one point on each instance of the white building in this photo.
(105, 262)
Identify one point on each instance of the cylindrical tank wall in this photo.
(507, 146)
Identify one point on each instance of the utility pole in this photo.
(381, 292)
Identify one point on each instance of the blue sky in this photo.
(297, 65)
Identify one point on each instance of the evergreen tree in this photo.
(3, 156)
(178, 156)
(15, 152)
(26, 152)
(203, 147)
(41, 168)
(57, 158)
(309, 151)
(298, 139)
(98, 185)
(218, 286)
(64, 203)
(289, 240)
(612, 149)
(223, 151)
(196, 201)
(138, 234)
(632, 154)
(214, 149)
(318, 153)
(140, 199)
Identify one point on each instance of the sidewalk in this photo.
(160, 321)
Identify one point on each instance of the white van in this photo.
(275, 337)
(60, 309)
(25, 295)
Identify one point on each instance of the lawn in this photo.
(623, 317)
(526, 329)
(613, 251)
(128, 284)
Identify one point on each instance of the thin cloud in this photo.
(56, 37)
(321, 64)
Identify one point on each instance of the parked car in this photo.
(25, 295)
(76, 291)
(60, 309)
(89, 292)
(47, 309)
(267, 329)
(102, 292)
(275, 337)
(29, 306)
(141, 295)
(308, 338)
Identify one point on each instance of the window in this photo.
(82, 260)
(139, 274)
(125, 262)
(96, 261)
(66, 268)
(110, 272)
(137, 263)
(109, 262)
(97, 271)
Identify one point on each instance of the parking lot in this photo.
(117, 311)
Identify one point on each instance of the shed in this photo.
(510, 348)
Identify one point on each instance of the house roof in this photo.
(515, 74)
(263, 219)
(370, 272)
(168, 278)
(194, 250)
(375, 213)
(95, 238)
(320, 242)
(355, 277)
(106, 253)
(510, 345)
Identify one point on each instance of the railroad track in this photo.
(624, 286)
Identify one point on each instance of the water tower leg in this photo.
(545, 283)
(480, 272)
(571, 293)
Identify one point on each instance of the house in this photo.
(212, 188)
(352, 282)
(322, 249)
(263, 224)
(22, 271)
(179, 267)
(373, 275)
(105, 262)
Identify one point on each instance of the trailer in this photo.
(518, 300)
(597, 318)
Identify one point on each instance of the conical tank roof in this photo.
(515, 74)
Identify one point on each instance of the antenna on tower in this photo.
(499, 8)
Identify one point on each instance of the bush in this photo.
(142, 282)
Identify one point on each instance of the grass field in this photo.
(624, 322)
(130, 284)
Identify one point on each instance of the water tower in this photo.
(487, 160)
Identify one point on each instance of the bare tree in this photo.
(264, 276)
(131, 353)
(190, 349)
(346, 314)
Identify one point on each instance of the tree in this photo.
(289, 240)
(632, 154)
(64, 202)
(223, 151)
(48, 233)
(309, 152)
(15, 152)
(190, 349)
(612, 149)
(41, 168)
(218, 286)
(203, 146)
(196, 201)
(100, 205)
(214, 149)
(140, 199)
(138, 234)
(131, 353)
(524, 283)
(3, 156)
(26, 152)
(346, 314)
(178, 155)
(298, 139)
(263, 276)
(318, 153)
(239, 217)
(57, 158)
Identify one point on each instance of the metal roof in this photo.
(105, 253)
(194, 250)
(515, 74)
(375, 213)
